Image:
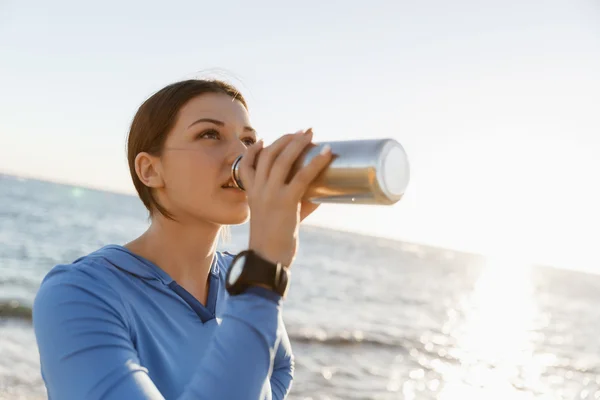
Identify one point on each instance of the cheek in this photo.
(192, 174)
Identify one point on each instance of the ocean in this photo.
(368, 318)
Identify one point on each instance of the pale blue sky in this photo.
(496, 103)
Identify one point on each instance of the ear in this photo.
(148, 170)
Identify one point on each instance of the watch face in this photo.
(236, 270)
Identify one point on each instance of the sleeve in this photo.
(283, 369)
(86, 350)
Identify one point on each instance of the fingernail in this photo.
(308, 131)
(325, 150)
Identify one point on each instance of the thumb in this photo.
(247, 164)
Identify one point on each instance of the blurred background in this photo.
(482, 282)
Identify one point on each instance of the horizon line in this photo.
(312, 225)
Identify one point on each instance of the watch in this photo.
(249, 269)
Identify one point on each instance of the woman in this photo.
(160, 317)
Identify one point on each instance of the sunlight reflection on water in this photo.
(494, 343)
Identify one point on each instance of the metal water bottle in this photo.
(368, 171)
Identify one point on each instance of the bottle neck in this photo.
(235, 173)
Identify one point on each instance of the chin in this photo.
(232, 216)
(233, 221)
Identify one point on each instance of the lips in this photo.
(229, 185)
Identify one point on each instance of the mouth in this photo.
(230, 185)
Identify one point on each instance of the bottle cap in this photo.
(393, 172)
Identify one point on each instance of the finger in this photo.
(304, 177)
(265, 162)
(288, 156)
(247, 170)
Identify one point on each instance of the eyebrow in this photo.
(219, 123)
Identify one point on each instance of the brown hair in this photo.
(154, 120)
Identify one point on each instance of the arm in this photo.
(283, 369)
(86, 350)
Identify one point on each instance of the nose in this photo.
(236, 149)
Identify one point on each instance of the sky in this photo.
(497, 103)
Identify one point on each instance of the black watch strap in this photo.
(261, 272)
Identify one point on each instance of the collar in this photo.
(123, 259)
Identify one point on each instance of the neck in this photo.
(185, 251)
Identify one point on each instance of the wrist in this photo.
(268, 253)
(249, 269)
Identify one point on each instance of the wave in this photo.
(15, 309)
(345, 338)
(17, 281)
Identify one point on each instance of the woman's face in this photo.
(210, 132)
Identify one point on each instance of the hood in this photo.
(123, 259)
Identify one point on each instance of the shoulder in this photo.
(85, 283)
(76, 313)
(83, 270)
(89, 269)
(79, 298)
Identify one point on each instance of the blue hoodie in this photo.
(113, 325)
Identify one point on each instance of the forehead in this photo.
(218, 106)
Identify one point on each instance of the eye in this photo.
(249, 141)
(209, 134)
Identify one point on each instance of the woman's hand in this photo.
(275, 206)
